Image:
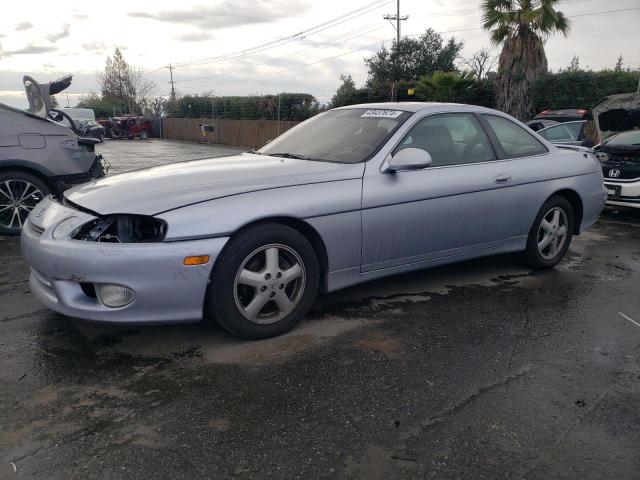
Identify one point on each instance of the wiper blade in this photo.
(290, 155)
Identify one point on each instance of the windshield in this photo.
(626, 138)
(345, 136)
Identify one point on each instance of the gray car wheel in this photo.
(19, 193)
(264, 282)
(551, 234)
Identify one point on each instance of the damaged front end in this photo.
(120, 228)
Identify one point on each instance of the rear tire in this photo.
(264, 283)
(20, 192)
(551, 234)
(144, 135)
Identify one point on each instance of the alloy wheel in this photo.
(269, 283)
(552, 233)
(17, 199)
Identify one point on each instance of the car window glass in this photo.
(558, 133)
(627, 138)
(451, 139)
(344, 135)
(515, 141)
(575, 128)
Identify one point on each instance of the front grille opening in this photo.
(88, 289)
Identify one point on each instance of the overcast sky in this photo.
(48, 40)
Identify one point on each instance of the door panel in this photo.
(417, 215)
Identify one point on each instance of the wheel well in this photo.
(310, 233)
(576, 203)
(31, 171)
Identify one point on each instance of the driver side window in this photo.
(557, 133)
(450, 139)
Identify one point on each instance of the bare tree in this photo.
(481, 62)
(125, 84)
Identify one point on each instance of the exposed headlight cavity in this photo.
(65, 228)
(123, 229)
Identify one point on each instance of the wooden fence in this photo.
(245, 133)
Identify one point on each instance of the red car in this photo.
(130, 127)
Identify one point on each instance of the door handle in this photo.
(502, 178)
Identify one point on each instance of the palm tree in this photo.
(521, 26)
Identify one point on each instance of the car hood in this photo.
(159, 189)
(617, 113)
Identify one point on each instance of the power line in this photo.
(282, 41)
(356, 33)
(369, 46)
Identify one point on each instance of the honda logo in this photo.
(614, 173)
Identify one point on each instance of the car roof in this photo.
(420, 106)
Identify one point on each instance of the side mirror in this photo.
(408, 159)
(587, 142)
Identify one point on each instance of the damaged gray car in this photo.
(351, 195)
(39, 155)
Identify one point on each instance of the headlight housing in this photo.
(123, 229)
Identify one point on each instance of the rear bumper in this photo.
(165, 290)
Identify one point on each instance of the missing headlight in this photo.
(123, 229)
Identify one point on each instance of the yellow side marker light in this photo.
(197, 260)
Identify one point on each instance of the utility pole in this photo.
(279, 98)
(398, 18)
(173, 90)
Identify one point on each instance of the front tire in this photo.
(264, 283)
(551, 234)
(19, 193)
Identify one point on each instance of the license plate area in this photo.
(613, 191)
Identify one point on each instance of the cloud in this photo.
(193, 37)
(94, 47)
(29, 49)
(54, 37)
(80, 16)
(21, 26)
(229, 13)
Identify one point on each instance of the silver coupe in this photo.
(353, 194)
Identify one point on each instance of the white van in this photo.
(80, 113)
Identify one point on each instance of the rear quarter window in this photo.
(515, 141)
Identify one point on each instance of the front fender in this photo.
(331, 208)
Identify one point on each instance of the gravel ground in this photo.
(482, 369)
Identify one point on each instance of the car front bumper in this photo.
(623, 194)
(64, 272)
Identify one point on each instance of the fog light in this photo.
(115, 296)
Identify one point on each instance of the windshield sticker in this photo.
(381, 114)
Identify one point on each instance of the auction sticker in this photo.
(381, 114)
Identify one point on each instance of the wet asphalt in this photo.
(481, 369)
